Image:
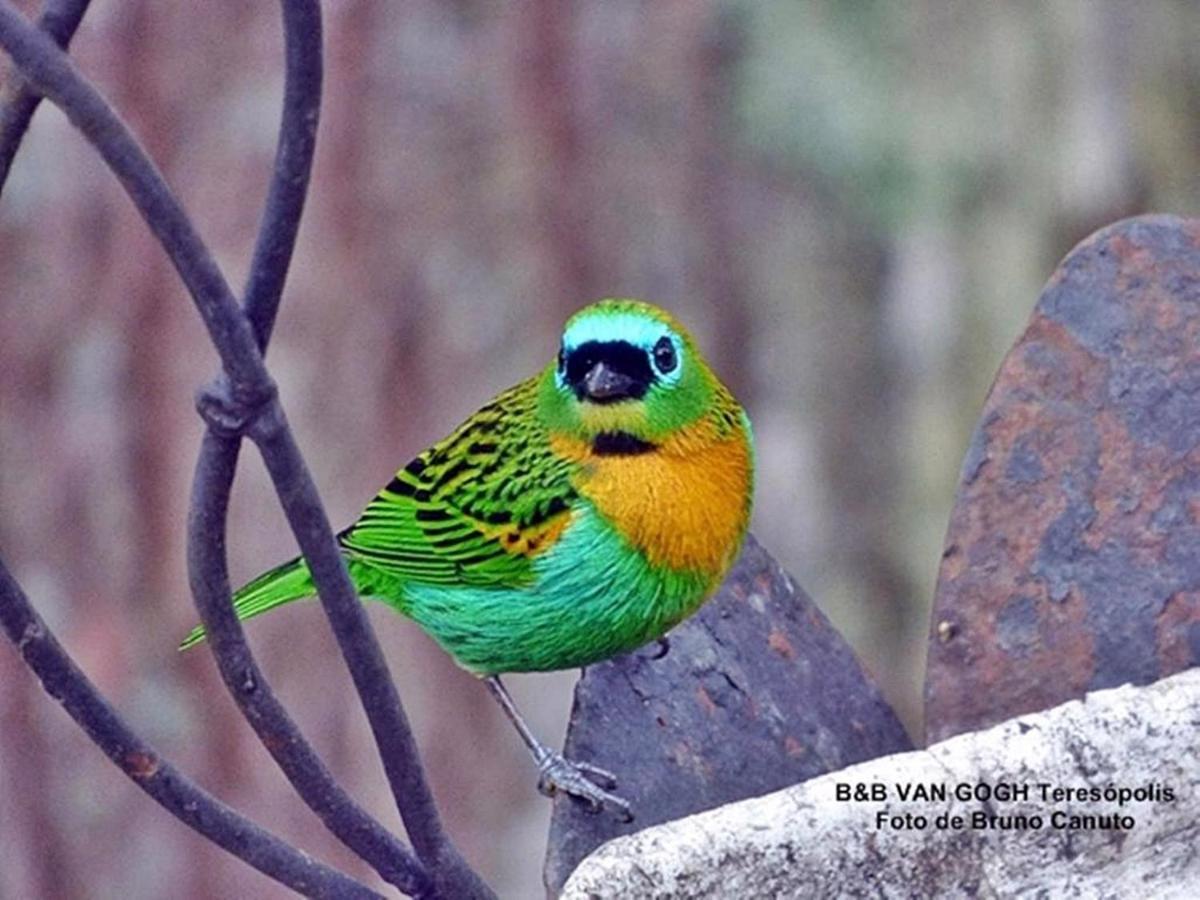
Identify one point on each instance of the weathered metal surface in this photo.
(1072, 560)
(756, 692)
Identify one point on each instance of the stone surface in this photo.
(756, 692)
(804, 842)
(1072, 560)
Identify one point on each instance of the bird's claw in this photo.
(583, 781)
(596, 775)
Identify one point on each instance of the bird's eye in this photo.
(664, 355)
(562, 359)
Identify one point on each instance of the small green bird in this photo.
(578, 515)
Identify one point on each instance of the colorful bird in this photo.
(579, 515)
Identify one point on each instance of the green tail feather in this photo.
(282, 584)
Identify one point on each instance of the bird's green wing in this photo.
(473, 509)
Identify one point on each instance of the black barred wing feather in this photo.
(473, 509)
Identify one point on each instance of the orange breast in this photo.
(685, 505)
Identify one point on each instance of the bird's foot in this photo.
(661, 648)
(581, 780)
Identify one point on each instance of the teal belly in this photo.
(593, 597)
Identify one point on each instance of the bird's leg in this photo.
(556, 772)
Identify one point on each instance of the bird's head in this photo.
(627, 377)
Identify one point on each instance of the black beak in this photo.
(607, 371)
(603, 384)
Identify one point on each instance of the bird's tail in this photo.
(280, 585)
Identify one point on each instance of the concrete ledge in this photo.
(805, 842)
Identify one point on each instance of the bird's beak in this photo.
(603, 384)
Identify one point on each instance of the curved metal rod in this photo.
(249, 405)
(51, 73)
(62, 679)
(209, 579)
(280, 222)
(294, 152)
(146, 768)
(60, 19)
(217, 462)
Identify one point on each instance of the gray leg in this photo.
(556, 773)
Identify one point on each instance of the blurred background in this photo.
(853, 205)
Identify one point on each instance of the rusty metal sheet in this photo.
(755, 692)
(1072, 560)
